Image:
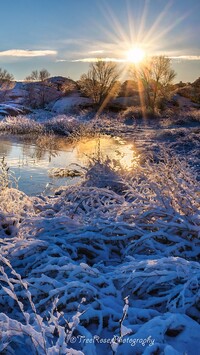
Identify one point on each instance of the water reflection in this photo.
(31, 160)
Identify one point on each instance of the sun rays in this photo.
(138, 32)
(129, 43)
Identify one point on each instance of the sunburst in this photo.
(135, 55)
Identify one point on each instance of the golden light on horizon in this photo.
(135, 55)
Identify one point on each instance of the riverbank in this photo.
(180, 133)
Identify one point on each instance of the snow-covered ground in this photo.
(108, 266)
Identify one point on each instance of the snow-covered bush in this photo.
(102, 245)
(7, 176)
(63, 125)
(68, 126)
(20, 125)
(38, 334)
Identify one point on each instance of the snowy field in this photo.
(110, 265)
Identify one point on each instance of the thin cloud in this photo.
(26, 53)
(186, 57)
(97, 52)
(123, 60)
(94, 59)
(61, 60)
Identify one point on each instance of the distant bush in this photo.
(133, 112)
(115, 107)
(137, 112)
(6, 83)
(129, 88)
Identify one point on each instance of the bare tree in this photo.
(100, 83)
(36, 75)
(154, 77)
(6, 82)
(37, 93)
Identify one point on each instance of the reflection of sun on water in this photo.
(20, 155)
(30, 166)
(111, 148)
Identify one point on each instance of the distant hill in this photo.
(65, 85)
(26, 95)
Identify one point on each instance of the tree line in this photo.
(153, 78)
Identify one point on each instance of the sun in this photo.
(135, 55)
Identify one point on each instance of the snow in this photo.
(12, 109)
(64, 104)
(110, 265)
(103, 267)
(159, 333)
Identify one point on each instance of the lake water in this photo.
(32, 160)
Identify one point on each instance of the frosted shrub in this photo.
(50, 336)
(68, 126)
(104, 172)
(7, 177)
(168, 181)
(20, 125)
(60, 125)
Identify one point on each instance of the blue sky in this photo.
(64, 35)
